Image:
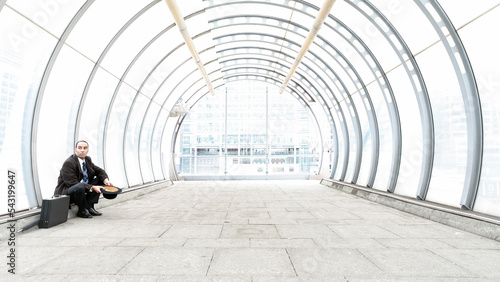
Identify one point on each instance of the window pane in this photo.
(58, 114)
(21, 68)
(135, 38)
(411, 131)
(94, 112)
(160, 155)
(132, 135)
(295, 144)
(386, 138)
(482, 53)
(450, 158)
(100, 23)
(145, 142)
(52, 16)
(115, 164)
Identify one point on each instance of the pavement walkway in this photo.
(272, 230)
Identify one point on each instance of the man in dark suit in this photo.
(82, 181)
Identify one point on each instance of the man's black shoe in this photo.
(92, 211)
(84, 213)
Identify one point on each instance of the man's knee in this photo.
(78, 189)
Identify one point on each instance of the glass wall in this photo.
(268, 134)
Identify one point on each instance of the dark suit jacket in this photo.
(71, 174)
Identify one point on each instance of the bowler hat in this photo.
(110, 192)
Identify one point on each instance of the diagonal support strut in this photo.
(176, 13)
(318, 22)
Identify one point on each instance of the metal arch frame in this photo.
(166, 99)
(152, 101)
(129, 67)
(172, 149)
(343, 123)
(2, 3)
(41, 91)
(139, 91)
(422, 95)
(265, 2)
(156, 92)
(97, 67)
(272, 72)
(390, 101)
(332, 121)
(368, 104)
(355, 118)
(138, 153)
(350, 104)
(173, 140)
(294, 90)
(181, 119)
(338, 111)
(247, 17)
(392, 110)
(302, 98)
(470, 96)
(162, 107)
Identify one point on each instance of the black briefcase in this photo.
(54, 211)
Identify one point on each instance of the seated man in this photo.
(82, 180)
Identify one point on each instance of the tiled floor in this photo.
(253, 231)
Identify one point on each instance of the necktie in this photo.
(85, 175)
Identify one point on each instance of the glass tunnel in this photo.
(396, 96)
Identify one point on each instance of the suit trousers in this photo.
(82, 198)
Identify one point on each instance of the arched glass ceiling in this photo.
(406, 87)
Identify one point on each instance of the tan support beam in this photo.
(318, 22)
(176, 13)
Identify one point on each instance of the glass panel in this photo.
(403, 16)
(115, 164)
(450, 159)
(341, 140)
(167, 128)
(482, 53)
(367, 144)
(462, 13)
(157, 154)
(386, 138)
(21, 67)
(132, 135)
(152, 56)
(293, 133)
(135, 38)
(145, 142)
(100, 23)
(352, 143)
(93, 117)
(52, 16)
(58, 115)
(367, 32)
(411, 131)
(172, 82)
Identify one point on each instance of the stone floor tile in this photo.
(255, 262)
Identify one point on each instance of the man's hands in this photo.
(107, 182)
(97, 189)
